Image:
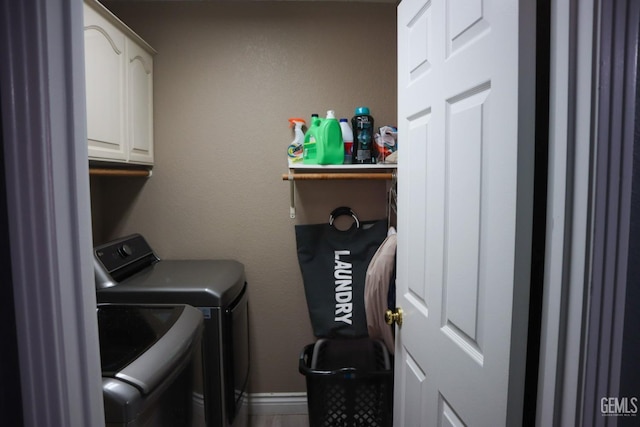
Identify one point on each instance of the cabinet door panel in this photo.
(105, 86)
(140, 78)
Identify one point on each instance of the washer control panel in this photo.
(122, 258)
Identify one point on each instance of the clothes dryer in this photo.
(128, 271)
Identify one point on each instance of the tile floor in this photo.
(279, 421)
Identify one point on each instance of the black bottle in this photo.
(363, 146)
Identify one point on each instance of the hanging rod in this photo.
(335, 176)
(293, 177)
(119, 172)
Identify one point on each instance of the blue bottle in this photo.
(363, 147)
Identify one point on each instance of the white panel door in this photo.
(105, 86)
(466, 76)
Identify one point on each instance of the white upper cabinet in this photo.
(119, 86)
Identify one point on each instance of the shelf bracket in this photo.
(292, 196)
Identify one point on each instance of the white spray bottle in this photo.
(295, 149)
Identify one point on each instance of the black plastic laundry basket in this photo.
(349, 383)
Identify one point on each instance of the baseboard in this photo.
(277, 403)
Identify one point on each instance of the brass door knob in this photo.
(392, 317)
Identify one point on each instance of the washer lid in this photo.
(200, 283)
(145, 345)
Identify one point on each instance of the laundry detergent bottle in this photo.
(362, 125)
(330, 149)
(347, 139)
(309, 155)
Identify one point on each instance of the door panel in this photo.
(465, 177)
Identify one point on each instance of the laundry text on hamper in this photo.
(344, 291)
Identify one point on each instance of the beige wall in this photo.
(227, 77)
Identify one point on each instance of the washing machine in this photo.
(129, 271)
(147, 360)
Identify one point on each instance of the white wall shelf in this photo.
(347, 167)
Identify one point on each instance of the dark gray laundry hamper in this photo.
(349, 383)
(349, 375)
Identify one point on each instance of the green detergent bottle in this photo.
(329, 145)
(309, 154)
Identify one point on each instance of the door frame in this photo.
(572, 150)
(606, 374)
(48, 211)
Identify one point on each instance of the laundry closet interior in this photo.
(226, 77)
